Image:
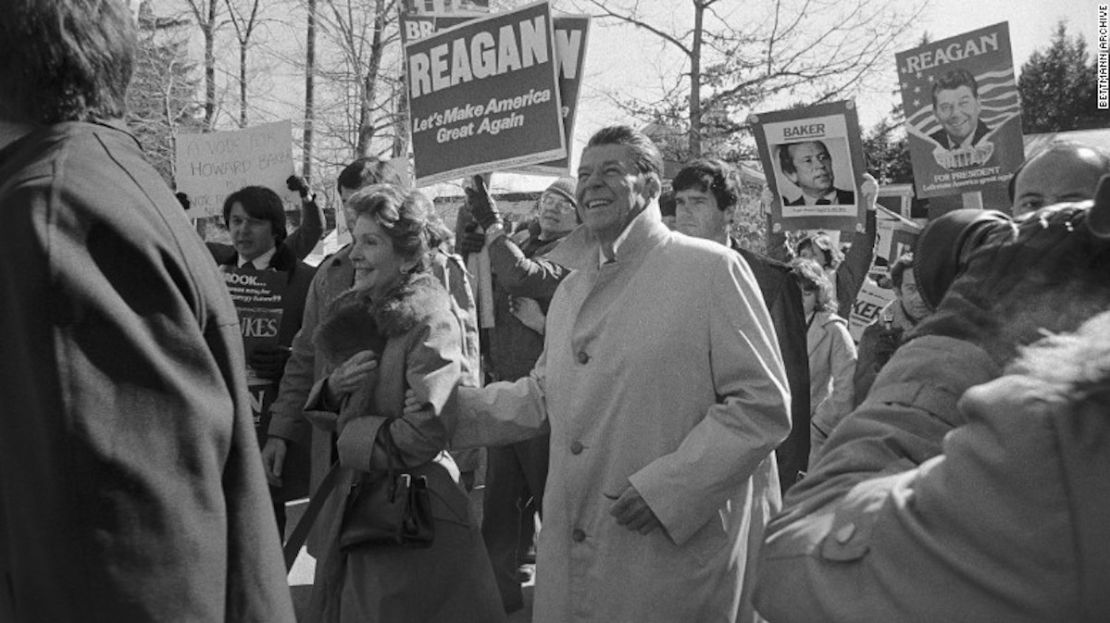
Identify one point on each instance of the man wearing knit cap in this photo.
(523, 284)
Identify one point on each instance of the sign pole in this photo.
(973, 200)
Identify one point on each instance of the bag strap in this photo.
(296, 540)
(299, 535)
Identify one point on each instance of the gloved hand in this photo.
(297, 183)
(1020, 279)
(481, 205)
(469, 241)
(268, 362)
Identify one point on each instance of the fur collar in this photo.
(354, 322)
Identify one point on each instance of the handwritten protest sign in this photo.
(257, 295)
(816, 158)
(869, 302)
(484, 96)
(963, 114)
(571, 34)
(213, 165)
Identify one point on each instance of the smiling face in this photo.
(697, 215)
(377, 266)
(813, 171)
(251, 236)
(612, 190)
(556, 214)
(958, 111)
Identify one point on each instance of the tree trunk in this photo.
(309, 75)
(695, 82)
(370, 85)
(210, 68)
(242, 85)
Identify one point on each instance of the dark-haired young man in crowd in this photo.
(707, 197)
(129, 469)
(255, 217)
(301, 241)
(887, 332)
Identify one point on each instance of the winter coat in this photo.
(783, 298)
(877, 345)
(660, 370)
(419, 339)
(132, 487)
(306, 365)
(925, 507)
(832, 362)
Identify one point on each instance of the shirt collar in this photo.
(262, 262)
(830, 197)
(581, 250)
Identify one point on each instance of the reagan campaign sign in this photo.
(813, 159)
(571, 33)
(484, 96)
(213, 165)
(963, 114)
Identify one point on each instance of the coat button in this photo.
(844, 534)
(583, 357)
(578, 536)
(576, 447)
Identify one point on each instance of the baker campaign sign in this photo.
(963, 113)
(484, 96)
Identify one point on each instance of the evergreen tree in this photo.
(161, 101)
(1057, 87)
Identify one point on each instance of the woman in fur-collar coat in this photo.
(396, 330)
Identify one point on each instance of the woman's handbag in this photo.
(391, 510)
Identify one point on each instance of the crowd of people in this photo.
(675, 427)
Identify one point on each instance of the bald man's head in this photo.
(1060, 173)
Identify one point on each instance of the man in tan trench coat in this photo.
(664, 391)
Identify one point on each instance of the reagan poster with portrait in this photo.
(813, 158)
(963, 113)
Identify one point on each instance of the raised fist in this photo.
(297, 183)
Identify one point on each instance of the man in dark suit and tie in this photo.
(808, 166)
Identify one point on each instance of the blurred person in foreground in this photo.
(994, 488)
(130, 477)
(889, 330)
(707, 198)
(664, 393)
(521, 271)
